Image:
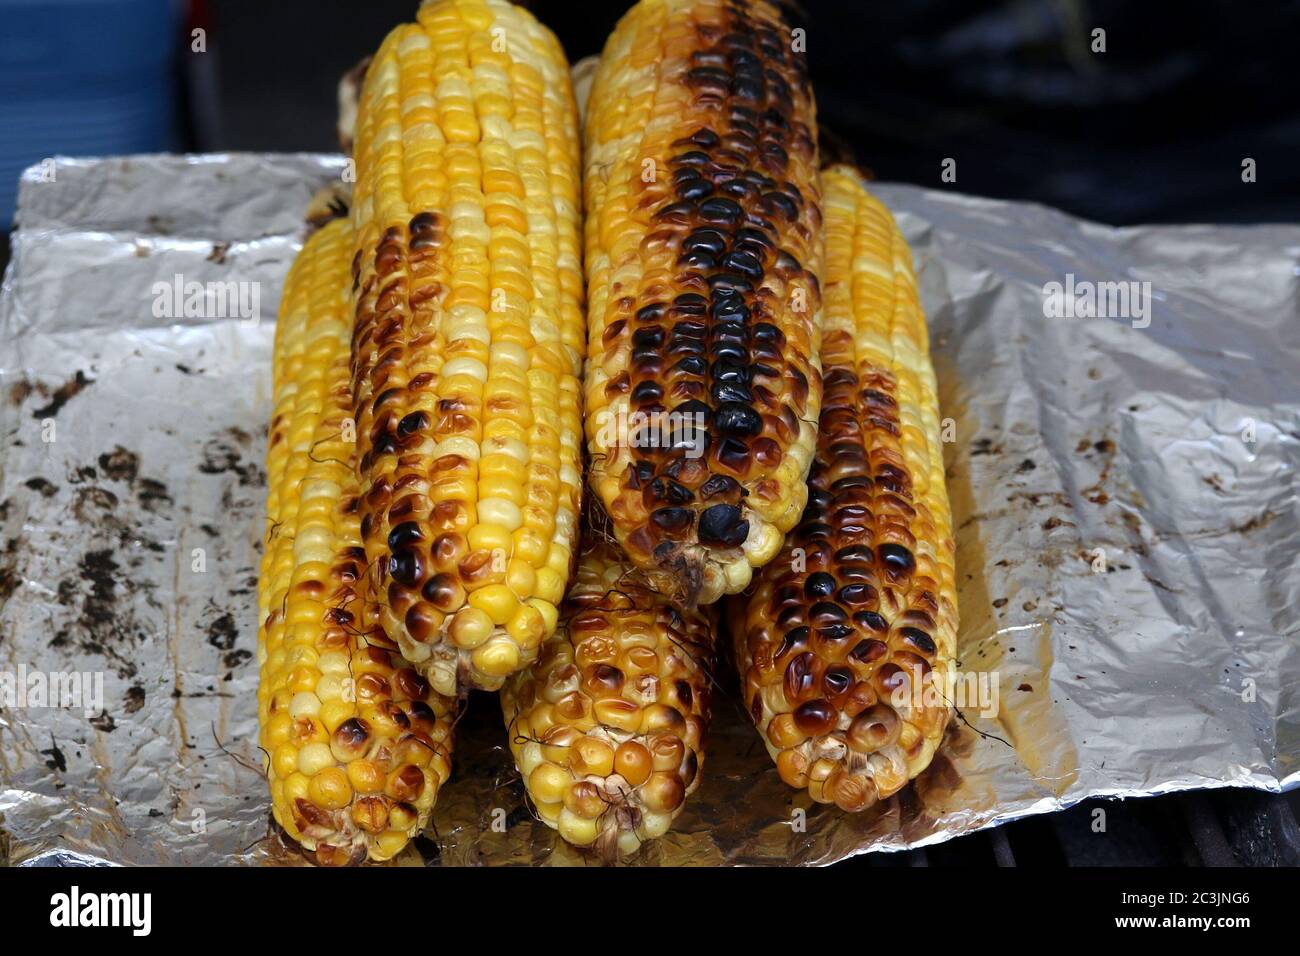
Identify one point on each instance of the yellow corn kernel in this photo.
(295, 787)
(642, 115)
(365, 776)
(499, 657)
(592, 756)
(521, 578)
(549, 612)
(388, 844)
(330, 789)
(548, 783)
(607, 732)
(312, 659)
(527, 627)
(335, 713)
(880, 409)
(313, 758)
(466, 221)
(490, 537)
(285, 760)
(304, 704)
(497, 601)
(471, 627)
(580, 831)
(550, 586)
(276, 731)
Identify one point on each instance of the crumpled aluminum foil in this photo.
(1124, 498)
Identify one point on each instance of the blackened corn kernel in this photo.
(834, 646)
(469, 337)
(734, 210)
(334, 696)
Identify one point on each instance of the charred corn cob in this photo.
(846, 649)
(469, 337)
(607, 727)
(357, 744)
(702, 258)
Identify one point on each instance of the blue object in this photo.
(84, 78)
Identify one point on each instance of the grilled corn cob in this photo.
(357, 745)
(846, 649)
(469, 337)
(607, 727)
(702, 255)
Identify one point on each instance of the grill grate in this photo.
(1201, 828)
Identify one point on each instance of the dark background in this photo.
(1153, 130)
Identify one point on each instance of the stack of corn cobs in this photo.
(489, 470)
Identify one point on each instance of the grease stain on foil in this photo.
(1075, 438)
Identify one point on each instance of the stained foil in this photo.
(1124, 499)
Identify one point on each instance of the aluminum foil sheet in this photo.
(1123, 488)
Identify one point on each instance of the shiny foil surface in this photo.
(1123, 489)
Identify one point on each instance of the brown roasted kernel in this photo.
(634, 762)
(837, 681)
(867, 609)
(585, 799)
(421, 624)
(874, 728)
(889, 678)
(371, 687)
(603, 681)
(685, 695)
(725, 291)
(310, 815)
(350, 739)
(371, 814)
(664, 792)
(918, 639)
(722, 526)
(672, 521)
(897, 560)
(800, 677)
(851, 792)
(869, 651)
(630, 670)
(814, 717)
(406, 784)
(387, 717)
(406, 568)
(410, 684)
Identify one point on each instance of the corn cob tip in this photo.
(342, 854)
(682, 570)
(610, 816)
(349, 91)
(327, 204)
(607, 727)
